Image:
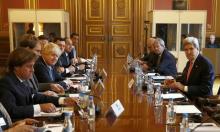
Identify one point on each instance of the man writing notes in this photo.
(198, 75)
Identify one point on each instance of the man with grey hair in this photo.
(164, 62)
(212, 43)
(198, 75)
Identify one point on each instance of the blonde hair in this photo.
(51, 48)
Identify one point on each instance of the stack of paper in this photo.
(54, 127)
(204, 127)
(186, 109)
(172, 96)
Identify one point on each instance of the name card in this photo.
(131, 83)
(104, 73)
(117, 108)
(2, 122)
(101, 83)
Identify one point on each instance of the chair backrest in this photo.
(218, 93)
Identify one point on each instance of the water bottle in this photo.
(170, 115)
(158, 97)
(184, 126)
(150, 89)
(68, 126)
(91, 109)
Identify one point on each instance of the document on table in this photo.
(172, 96)
(204, 127)
(74, 95)
(54, 127)
(44, 114)
(77, 78)
(186, 109)
(162, 77)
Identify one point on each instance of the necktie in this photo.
(6, 115)
(189, 70)
(158, 60)
(67, 59)
(74, 52)
(51, 73)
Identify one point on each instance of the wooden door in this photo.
(107, 31)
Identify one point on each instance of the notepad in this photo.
(172, 96)
(74, 95)
(186, 109)
(44, 114)
(77, 78)
(162, 77)
(204, 127)
(54, 127)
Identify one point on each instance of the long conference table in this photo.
(140, 114)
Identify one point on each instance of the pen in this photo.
(54, 126)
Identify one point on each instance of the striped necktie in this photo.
(189, 70)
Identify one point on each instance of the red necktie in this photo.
(189, 70)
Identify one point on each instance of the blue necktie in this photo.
(51, 73)
(74, 52)
(67, 59)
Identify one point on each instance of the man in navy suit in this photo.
(19, 99)
(44, 68)
(75, 40)
(64, 63)
(29, 41)
(198, 75)
(163, 62)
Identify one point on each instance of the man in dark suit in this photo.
(64, 63)
(212, 43)
(44, 68)
(198, 75)
(75, 40)
(146, 60)
(163, 62)
(19, 99)
(30, 42)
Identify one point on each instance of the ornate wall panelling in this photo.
(114, 28)
(4, 26)
(211, 7)
(94, 29)
(121, 32)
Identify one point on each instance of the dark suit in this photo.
(167, 64)
(64, 61)
(214, 45)
(41, 71)
(72, 54)
(201, 78)
(39, 87)
(18, 98)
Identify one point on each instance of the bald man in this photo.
(148, 59)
